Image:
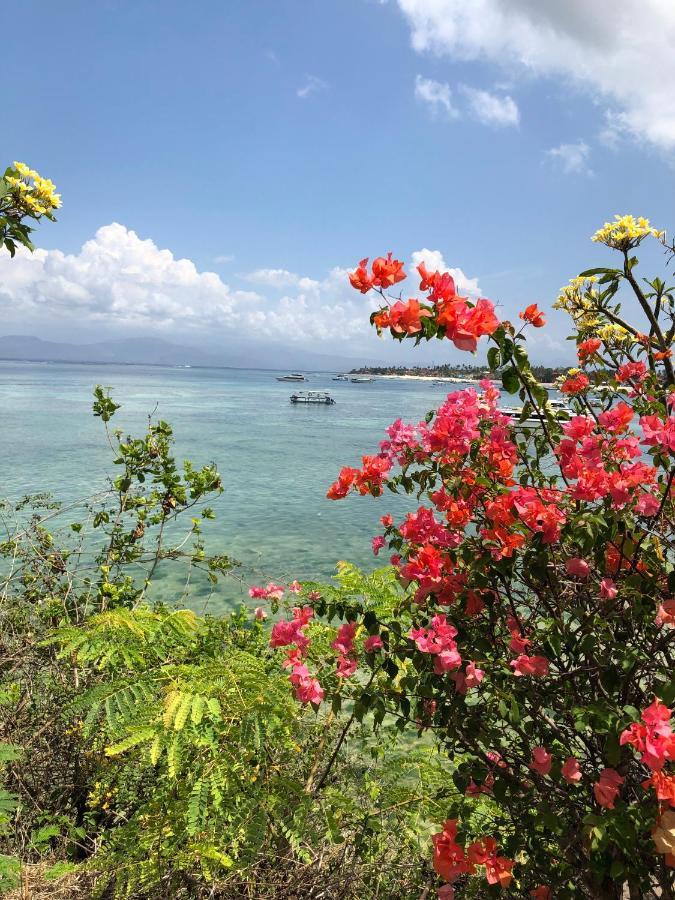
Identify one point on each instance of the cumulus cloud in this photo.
(621, 53)
(311, 85)
(433, 260)
(122, 283)
(492, 109)
(572, 158)
(119, 283)
(279, 279)
(117, 278)
(436, 95)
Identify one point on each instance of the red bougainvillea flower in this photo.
(359, 279)
(387, 271)
(465, 324)
(405, 317)
(606, 788)
(498, 871)
(541, 761)
(576, 384)
(571, 770)
(533, 316)
(635, 372)
(541, 893)
(342, 486)
(586, 349)
(449, 858)
(537, 666)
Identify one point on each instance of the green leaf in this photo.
(510, 381)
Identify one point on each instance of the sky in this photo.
(223, 164)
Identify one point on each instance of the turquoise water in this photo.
(277, 459)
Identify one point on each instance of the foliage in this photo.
(536, 624)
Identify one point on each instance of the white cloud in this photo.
(433, 260)
(119, 279)
(312, 85)
(436, 95)
(572, 158)
(119, 283)
(279, 279)
(492, 109)
(621, 53)
(227, 258)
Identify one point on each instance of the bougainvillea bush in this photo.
(534, 635)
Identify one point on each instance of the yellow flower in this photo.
(613, 334)
(625, 232)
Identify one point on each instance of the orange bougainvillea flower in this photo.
(663, 354)
(387, 271)
(359, 279)
(587, 348)
(533, 315)
(406, 317)
(381, 320)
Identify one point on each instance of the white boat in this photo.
(313, 397)
(295, 376)
(361, 379)
(340, 377)
(534, 419)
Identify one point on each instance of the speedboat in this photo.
(313, 397)
(341, 377)
(361, 379)
(295, 376)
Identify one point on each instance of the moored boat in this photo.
(294, 376)
(361, 379)
(322, 397)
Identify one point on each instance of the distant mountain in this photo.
(158, 352)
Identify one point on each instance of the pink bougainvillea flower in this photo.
(373, 643)
(577, 567)
(606, 788)
(446, 892)
(541, 761)
(608, 589)
(346, 666)
(647, 504)
(378, 543)
(294, 587)
(571, 770)
(259, 613)
(344, 640)
(665, 614)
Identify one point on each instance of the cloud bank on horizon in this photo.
(620, 53)
(126, 284)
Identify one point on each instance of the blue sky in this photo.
(275, 142)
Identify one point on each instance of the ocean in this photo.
(277, 460)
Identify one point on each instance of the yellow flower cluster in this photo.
(33, 195)
(614, 334)
(625, 232)
(578, 299)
